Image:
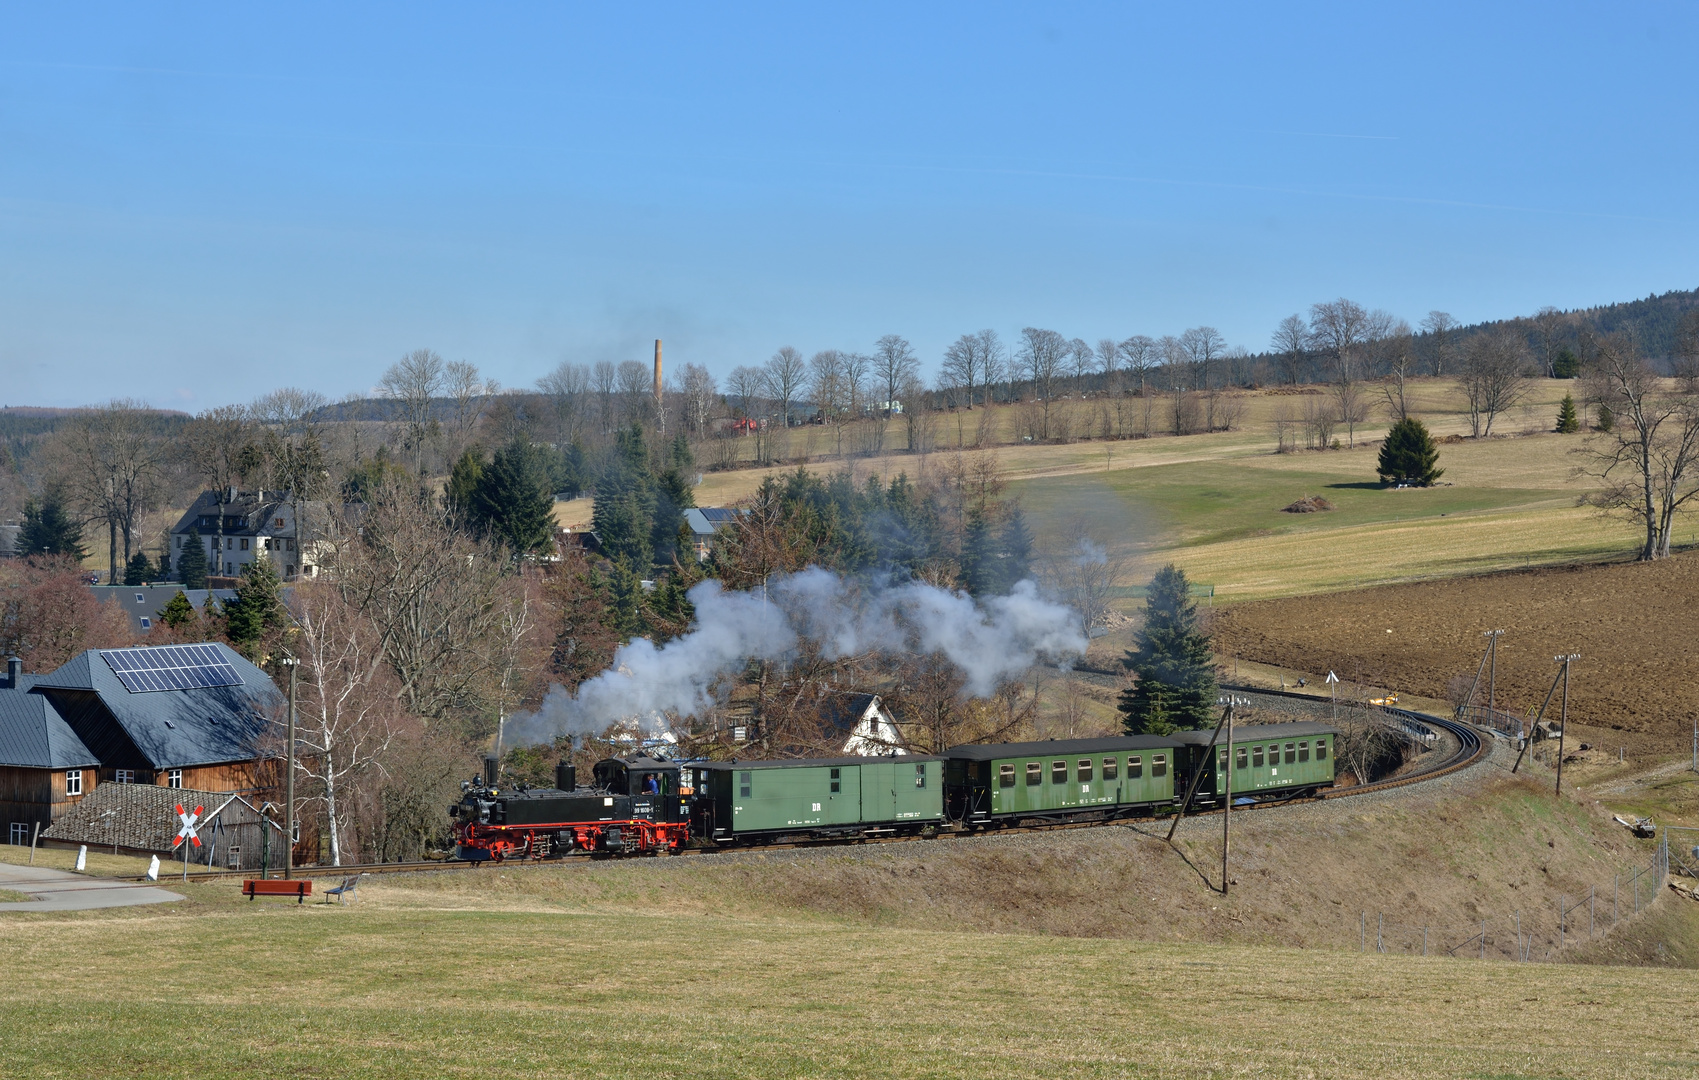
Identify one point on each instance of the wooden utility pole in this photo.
(1226, 759)
(1565, 660)
(289, 779)
(1492, 671)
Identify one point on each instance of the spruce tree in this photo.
(1172, 662)
(139, 570)
(1568, 423)
(177, 613)
(256, 608)
(977, 560)
(1605, 420)
(191, 565)
(511, 502)
(47, 531)
(460, 491)
(1408, 456)
(1014, 545)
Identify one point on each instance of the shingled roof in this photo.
(204, 725)
(142, 817)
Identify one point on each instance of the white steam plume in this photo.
(990, 641)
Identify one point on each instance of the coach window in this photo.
(1291, 753)
(920, 775)
(1058, 772)
(837, 780)
(1135, 767)
(1256, 757)
(1321, 749)
(73, 781)
(1158, 765)
(743, 784)
(1085, 770)
(1034, 774)
(1005, 776)
(1239, 759)
(1303, 751)
(1111, 768)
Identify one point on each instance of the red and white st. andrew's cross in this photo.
(187, 832)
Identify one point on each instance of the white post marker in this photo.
(187, 832)
(82, 857)
(153, 869)
(1333, 688)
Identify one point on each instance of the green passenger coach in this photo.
(1066, 779)
(818, 797)
(1270, 761)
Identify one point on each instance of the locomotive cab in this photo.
(652, 784)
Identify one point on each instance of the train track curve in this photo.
(1471, 749)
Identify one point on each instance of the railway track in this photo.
(1471, 748)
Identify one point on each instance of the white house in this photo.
(236, 527)
(866, 726)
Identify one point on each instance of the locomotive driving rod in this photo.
(1197, 774)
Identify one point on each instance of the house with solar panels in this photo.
(704, 522)
(181, 716)
(45, 770)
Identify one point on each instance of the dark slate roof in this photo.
(707, 520)
(815, 763)
(178, 728)
(843, 709)
(1113, 745)
(152, 600)
(143, 816)
(34, 736)
(1250, 733)
(254, 508)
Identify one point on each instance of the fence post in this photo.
(1561, 900)
(1616, 892)
(1590, 898)
(1517, 955)
(1362, 930)
(1483, 939)
(1424, 941)
(1380, 934)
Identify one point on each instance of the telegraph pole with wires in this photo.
(289, 777)
(1563, 721)
(1492, 637)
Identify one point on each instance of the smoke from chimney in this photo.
(990, 641)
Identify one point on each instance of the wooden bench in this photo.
(299, 888)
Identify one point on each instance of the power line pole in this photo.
(1492, 670)
(1565, 660)
(1225, 756)
(289, 778)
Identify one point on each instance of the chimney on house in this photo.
(657, 371)
(14, 672)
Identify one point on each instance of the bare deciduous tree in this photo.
(1205, 350)
(1495, 377)
(1439, 338)
(893, 362)
(1549, 327)
(413, 382)
(785, 372)
(114, 471)
(1398, 361)
(699, 393)
(1042, 354)
(566, 387)
(1654, 441)
(468, 394)
(967, 362)
(1290, 340)
(1685, 356)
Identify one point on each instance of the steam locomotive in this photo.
(650, 806)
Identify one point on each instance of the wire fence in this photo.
(1507, 724)
(1532, 936)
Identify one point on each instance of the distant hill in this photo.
(1652, 320)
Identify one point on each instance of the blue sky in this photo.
(199, 204)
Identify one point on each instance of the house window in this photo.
(743, 784)
(1111, 768)
(1159, 765)
(1321, 749)
(920, 776)
(836, 781)
(244, 543)
(73, 781)
(1085, 770)
(20, 832)
(289, 544)
(291, 571)
(180, 540)
(1135, 767)
(1005, 776)
(1058, 772)
(1034, 774)
(147, 623)
(174, 778)
(277, 522)
(124, 776)
(1256, 757)
(1303, 751)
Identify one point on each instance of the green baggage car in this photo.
(816, 798)
(1060, 779)
(1270, 761)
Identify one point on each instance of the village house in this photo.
(143, 603)
(136, 819)
(236, 527)
(44, 768)
(862, 721)
(704, 522)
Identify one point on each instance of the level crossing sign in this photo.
(188, 831)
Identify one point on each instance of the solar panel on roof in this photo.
(170, 667)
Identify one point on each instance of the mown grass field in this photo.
(376, 992)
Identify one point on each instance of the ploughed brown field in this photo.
(1636, 626)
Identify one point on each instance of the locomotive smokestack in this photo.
(657, 371)
(566, 776)
(490, 771)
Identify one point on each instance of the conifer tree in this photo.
(256, 608)
(1568, 423)
(177, 613)
(1015, 547)
(139, 570)
(1408, 456)
(1605, 420)
(1172, 662)
(47, 531)
(192, 564)
(460, 491)
(977, 561)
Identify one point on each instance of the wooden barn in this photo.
(141, 819)
(44, 768)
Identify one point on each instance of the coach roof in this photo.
(1248, 733)
(1050, 747)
